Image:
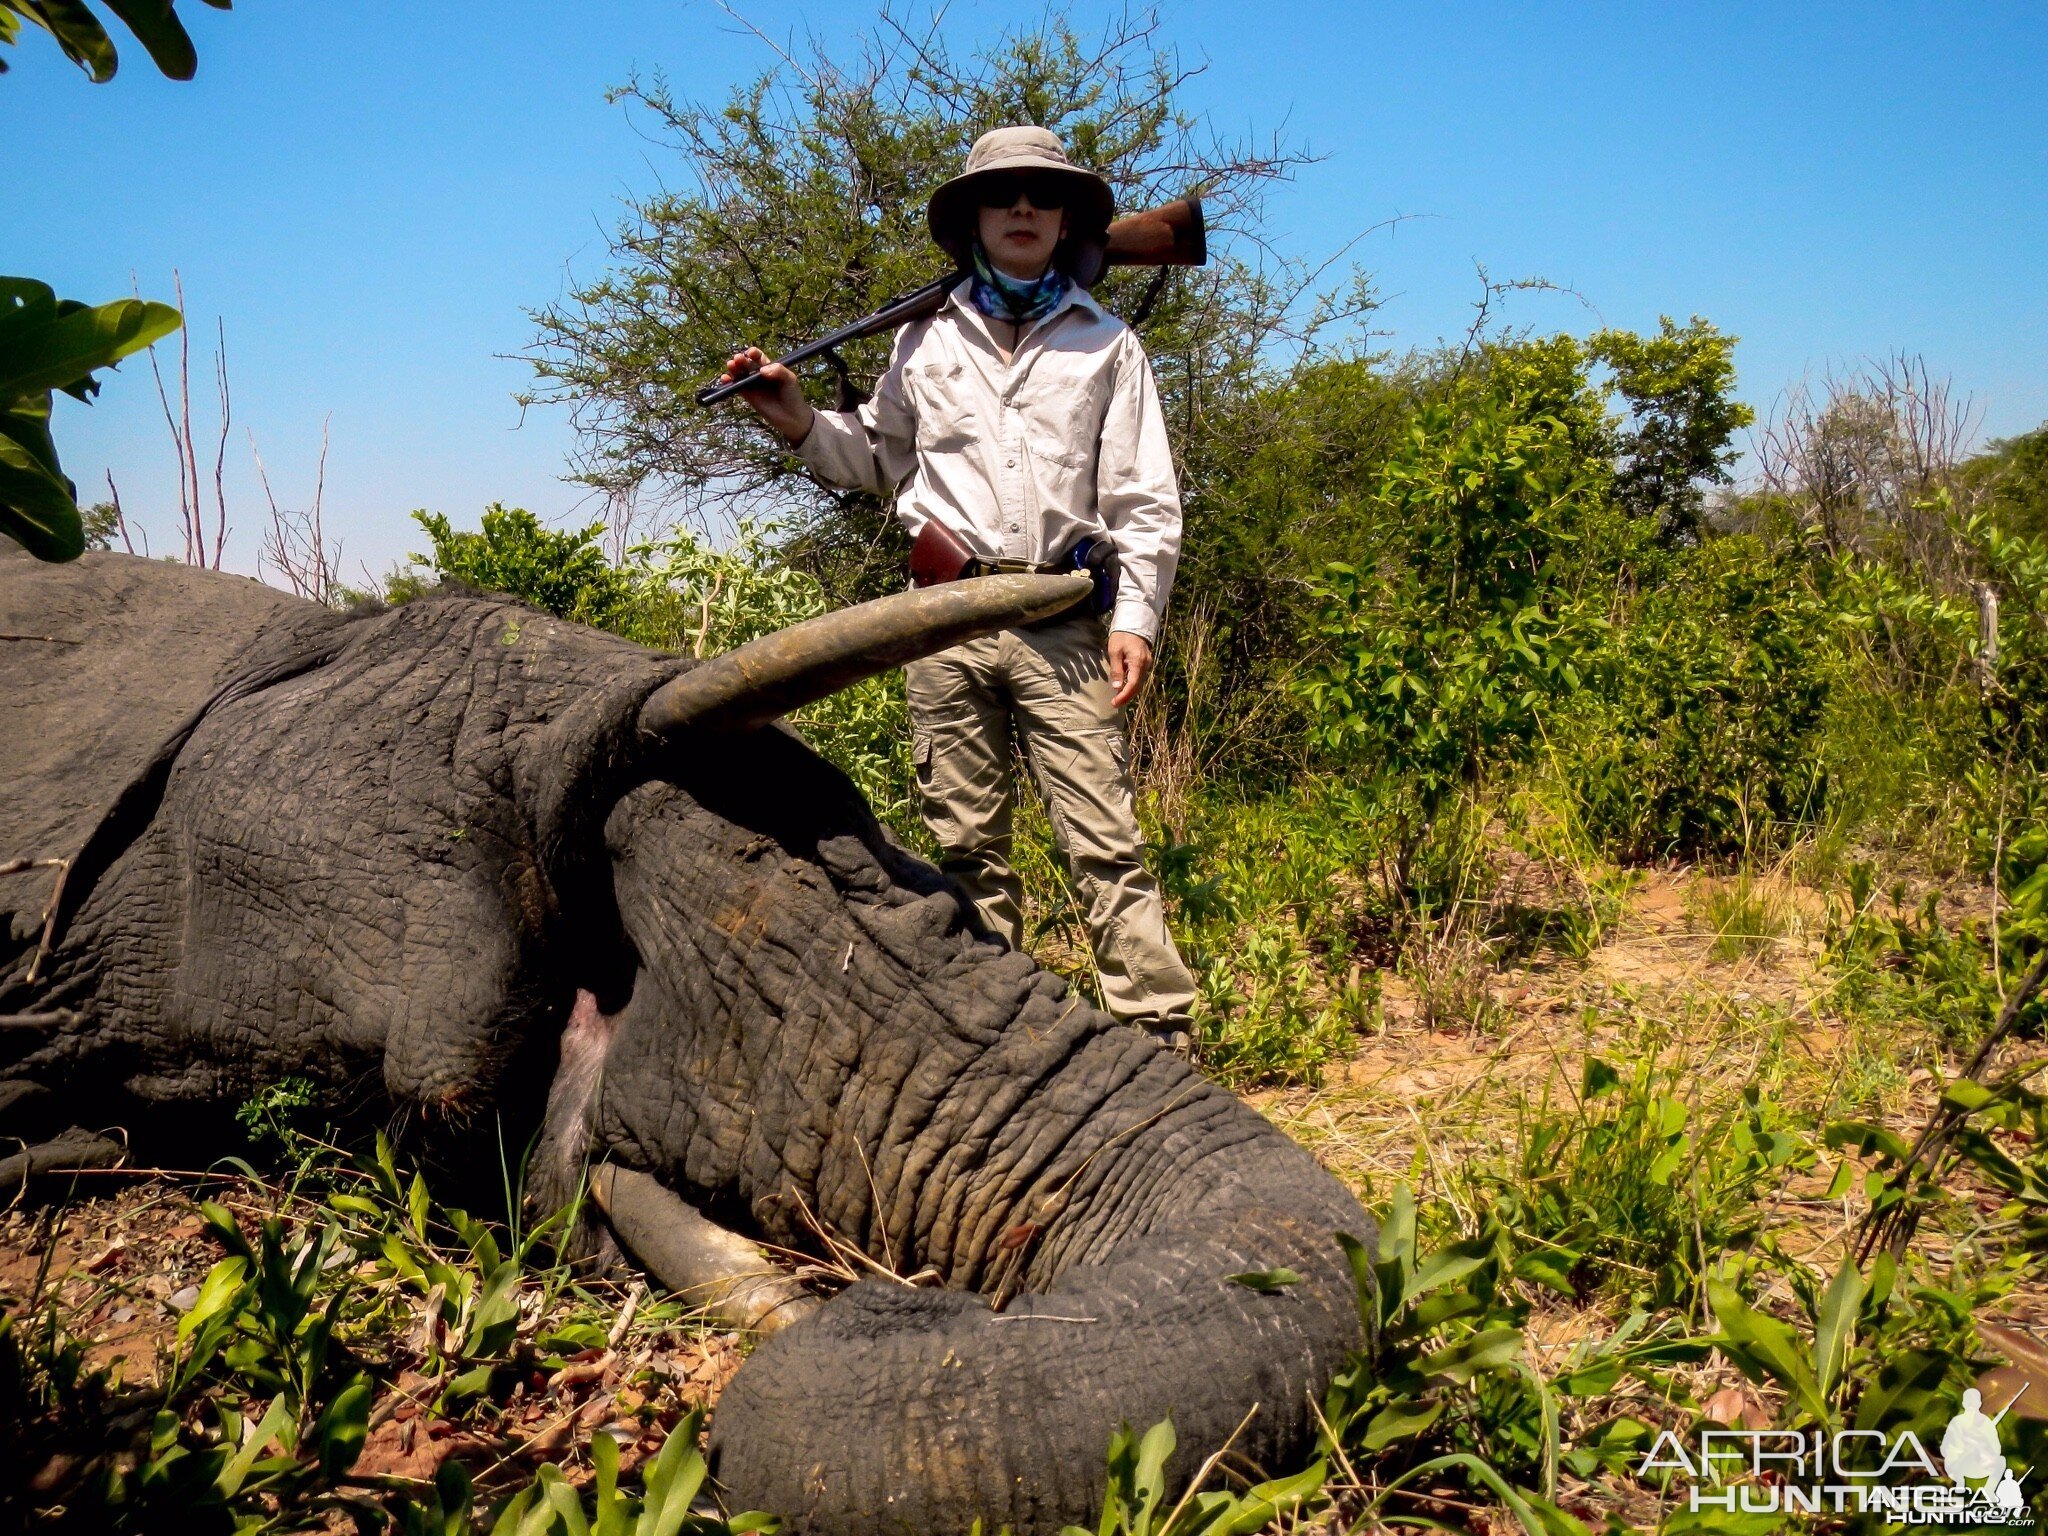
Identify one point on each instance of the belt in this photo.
(938, 556)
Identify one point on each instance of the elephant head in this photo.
(391, 854)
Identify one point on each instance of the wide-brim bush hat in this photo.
(1032, 152)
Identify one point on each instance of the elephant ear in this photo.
(767, 678)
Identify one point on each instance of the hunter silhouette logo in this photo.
(1783, 1471)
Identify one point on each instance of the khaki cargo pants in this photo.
(1051, 688)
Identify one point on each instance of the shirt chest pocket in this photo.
(945, 413)
(1062, 426)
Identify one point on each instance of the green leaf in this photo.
(37, 508)
(157, 28)
(1837, 1325)
(80, 35)
(1536, 1516)
(1548, 1267)
(221, 1293)
(1764, 1348)
(1267, 1282)
(1265, 1503)
(1965, 1096)
(673, 1480)
(1843, 1181)
(1908, 1390)
(61, 351)
(417, 1206)
(563, 1500)
(1400, 1420)
(273, 1423)
(1866, 1138)
(341, 1430)
(1148, 1481)
(1474, 1356)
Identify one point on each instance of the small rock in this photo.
(185, 1300)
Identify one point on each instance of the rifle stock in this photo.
(1171, 235)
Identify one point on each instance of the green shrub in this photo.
(565, 574)
(1705, 736)
(1443, 656)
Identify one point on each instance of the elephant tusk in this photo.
(767, 678)
(731, 1278)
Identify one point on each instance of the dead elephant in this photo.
(389, 853)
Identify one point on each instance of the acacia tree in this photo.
(801, 206)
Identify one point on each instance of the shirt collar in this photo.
(1076, 297)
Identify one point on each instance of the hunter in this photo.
(1019, 428)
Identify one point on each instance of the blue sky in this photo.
(369, 197)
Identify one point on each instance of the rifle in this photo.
(1170, 235)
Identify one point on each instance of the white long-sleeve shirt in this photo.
(1022, 460)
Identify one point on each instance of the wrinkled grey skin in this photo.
(394, 868)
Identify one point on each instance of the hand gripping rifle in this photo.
(1170, 235)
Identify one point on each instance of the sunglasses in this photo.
(1003, 191)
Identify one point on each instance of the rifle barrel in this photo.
(914, 305)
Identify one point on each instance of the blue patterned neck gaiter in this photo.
(1003, 297)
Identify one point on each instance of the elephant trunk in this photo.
(916, 1411)
(817, 1040)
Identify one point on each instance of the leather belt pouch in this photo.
(937, 555)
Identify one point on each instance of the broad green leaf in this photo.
(37, 508)
(672, 1482)
(80, 35)
(1764, 1348)
(1546, 1267)
(61, 352)
(1908, 1390)
(1536, 1516)
(1966, 1096)
(222, 1291)
(24, 296)
(1469, 1357)
(157, 28)
(1843, 1181)
(1836, 1328)
(1264, 1503)
(1366, 1281)
(1448, 1265)
(513, 1516)
(1865, 1138)
(1399, 1421)
(1148, 1481)
(563, 1500)
(273, 1423)
(341, 1430)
